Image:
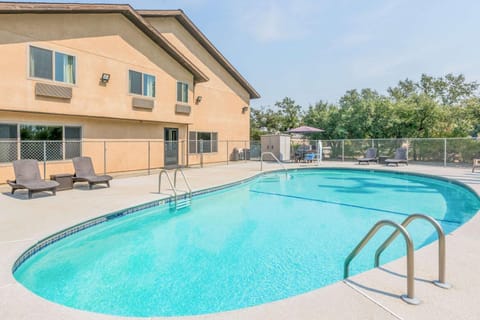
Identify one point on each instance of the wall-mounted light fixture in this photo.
(244, 109)
(198, 100)
(105, 77)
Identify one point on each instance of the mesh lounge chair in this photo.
(84, 172)
(27, 176)
(370, 156)
(400, 157)
(476, 164)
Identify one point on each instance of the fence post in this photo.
(444, 152)
(182, 151)
(104, 157)
(227, 153)
(245, 151)
(343, 150)
(44, 160)
(148, 157)
(408, 148)
(201, 153)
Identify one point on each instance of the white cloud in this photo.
(279, 20)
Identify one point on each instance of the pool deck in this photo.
(370, 295)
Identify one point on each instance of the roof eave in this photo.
(203, 40)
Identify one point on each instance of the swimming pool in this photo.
(257, 242)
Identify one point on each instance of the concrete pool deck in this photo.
(370, 295)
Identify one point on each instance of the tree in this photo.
(446, 106)
(450, 90)
(290, 114)
(323, 116)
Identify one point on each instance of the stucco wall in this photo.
(223, 97)
(106, 43)
(101, 138)
(109, 43)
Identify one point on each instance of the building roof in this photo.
(137, 18)
(182, 18)
(124, 9)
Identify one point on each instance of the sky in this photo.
(312, 50)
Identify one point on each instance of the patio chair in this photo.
(370, 156)
(84, 172)
(400, 157)
(476, 164)
(27, 176)
(309, 157)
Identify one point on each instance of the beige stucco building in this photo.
(76, 75)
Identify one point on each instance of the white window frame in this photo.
(53, 51)
(142, 84)
(184, 85)
(213, 142)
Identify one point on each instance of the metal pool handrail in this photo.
(410, 297)
(184, 179)
(441, 246)
(169, 182)
(276, 159)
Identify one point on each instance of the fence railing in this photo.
(433, 151)
(111, 156)
(115, 156)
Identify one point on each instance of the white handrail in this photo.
(410, 296)
(441, 282)
(184, 179)
(276, 159)
(169, 182)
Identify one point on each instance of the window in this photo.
(202, 142)
(8, 142)
(64, 68)
(182, 92)
(45, 64)
(73, 142)
(32, 144)
(141, 83)
(51, 142)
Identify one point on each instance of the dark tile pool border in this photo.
(42, 244)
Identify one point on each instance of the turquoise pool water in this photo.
(261, 241)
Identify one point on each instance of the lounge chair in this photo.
(84, 172)
(370, 156)
(476, 164)
(400, 157)
(27, 176)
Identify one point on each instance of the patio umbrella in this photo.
(306, 130)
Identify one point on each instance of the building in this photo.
(75, 75)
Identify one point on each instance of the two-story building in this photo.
(76, 75)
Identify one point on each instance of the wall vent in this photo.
(184, 109)
(143, 103)
(53, 91)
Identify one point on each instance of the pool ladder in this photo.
(181, 201)
(400, 229)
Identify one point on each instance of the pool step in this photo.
(183, 203)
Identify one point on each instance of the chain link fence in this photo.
(114, 156)
(434, 151)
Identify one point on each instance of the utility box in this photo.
(278, 144)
